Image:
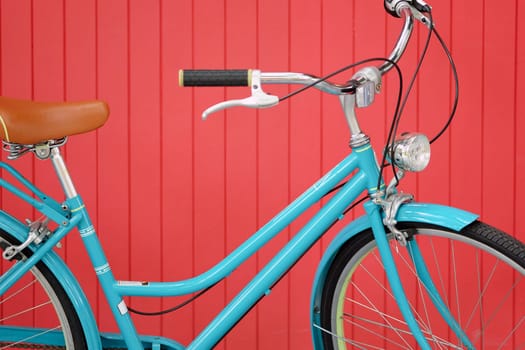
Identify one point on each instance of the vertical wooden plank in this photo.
(16, 49)
(519, 120)
(466, 130)
(498, 122)
(178, 115)
(209, 158)
(113, 142)
(241, 159)
(16, 81)
(465, 155)
(145, 149)
(273, 167)
(48, 50)
(48, 85)
(338, 17)
(48, 74)
(17, 76)
(519, 106)
(305, 151)
(434, 108)
(81, 150)
(498, 128)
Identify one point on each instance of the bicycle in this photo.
(350, 307)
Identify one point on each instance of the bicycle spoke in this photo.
(377, 334)
(481, 292)
(414, 273)
(440, 275)
(429, 336)
(374, 307)
(348, 341)
(419, 318)
(420, 287)
(507, 295)
(390, 325)
(28, 339)
(455, 281)
(35, 307)
(20, 290)
(414, 310)
(507, 338)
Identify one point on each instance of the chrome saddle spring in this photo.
(41, 150)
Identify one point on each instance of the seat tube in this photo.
(104, 274)
(96, 253)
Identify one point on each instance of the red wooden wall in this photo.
(171, 195)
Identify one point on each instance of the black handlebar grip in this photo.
(207, 77)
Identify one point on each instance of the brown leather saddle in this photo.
(28, 122)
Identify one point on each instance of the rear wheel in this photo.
(479, 273)
(37, 301)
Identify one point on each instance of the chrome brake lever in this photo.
(258, 99)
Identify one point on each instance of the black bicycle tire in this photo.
(477, 231)
(73, 320)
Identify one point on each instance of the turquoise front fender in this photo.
(449, 217)
(66, 279)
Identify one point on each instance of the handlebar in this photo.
(210, 77)
(244, 77)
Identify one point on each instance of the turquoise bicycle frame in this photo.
(72, 213)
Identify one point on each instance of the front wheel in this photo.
(479, 273)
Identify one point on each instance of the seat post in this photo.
(63, 173)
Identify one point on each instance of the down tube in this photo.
(250, 246)
(280, 264)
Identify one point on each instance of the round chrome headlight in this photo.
(411, 152)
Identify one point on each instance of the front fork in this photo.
(380, 235)
(392, 274)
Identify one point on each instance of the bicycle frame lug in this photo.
(359, 140)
